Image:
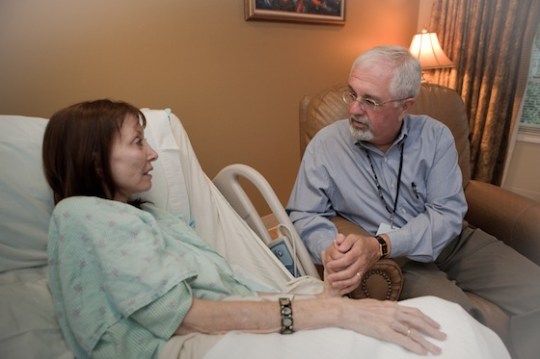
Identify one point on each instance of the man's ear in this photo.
(407, 104)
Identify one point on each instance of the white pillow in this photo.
(26, 199)
(169, 189)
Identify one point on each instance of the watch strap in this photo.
(383, 246)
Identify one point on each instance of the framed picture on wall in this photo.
(309, 11)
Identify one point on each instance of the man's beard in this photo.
(360, 135)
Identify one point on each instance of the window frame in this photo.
(528, 133)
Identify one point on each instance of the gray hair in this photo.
(407, 69)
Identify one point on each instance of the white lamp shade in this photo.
(427, 49)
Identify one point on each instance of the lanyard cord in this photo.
(379, 188)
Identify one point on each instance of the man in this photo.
(397, 176)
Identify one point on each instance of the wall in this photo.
(236, 85)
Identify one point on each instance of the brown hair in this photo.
(77, 145)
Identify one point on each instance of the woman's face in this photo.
(131, 160)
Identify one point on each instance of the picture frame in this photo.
(330, 12)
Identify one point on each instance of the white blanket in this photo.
(466, 339)
(218, 224)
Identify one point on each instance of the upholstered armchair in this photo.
(508, 216)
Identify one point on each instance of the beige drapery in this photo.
(490, 43)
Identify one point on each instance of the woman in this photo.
(126, 276)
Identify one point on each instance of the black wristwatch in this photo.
(383, 245)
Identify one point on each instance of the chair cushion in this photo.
(319, 111)
(445, 105)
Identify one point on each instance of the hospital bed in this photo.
(28, 327)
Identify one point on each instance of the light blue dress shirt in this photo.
(335, 178)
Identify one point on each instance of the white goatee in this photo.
(360, 135)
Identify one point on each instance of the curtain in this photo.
(486, 40)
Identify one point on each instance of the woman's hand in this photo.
(328, 289)
(392, 322)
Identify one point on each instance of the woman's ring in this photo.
(408, 332)
(358, 274)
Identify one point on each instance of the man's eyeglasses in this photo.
(367, 103)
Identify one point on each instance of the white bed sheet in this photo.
(28, 326)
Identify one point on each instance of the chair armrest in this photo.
(383, 280)
(508, 216)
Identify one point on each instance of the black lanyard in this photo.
(379, 188)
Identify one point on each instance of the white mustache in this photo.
(362, 119)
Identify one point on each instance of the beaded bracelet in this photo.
(285, 305)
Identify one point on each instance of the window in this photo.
(530, 117)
